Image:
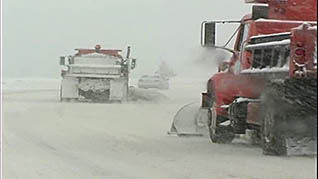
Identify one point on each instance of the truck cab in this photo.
(247, 58)
(276, 44)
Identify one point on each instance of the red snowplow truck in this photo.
(270, 83)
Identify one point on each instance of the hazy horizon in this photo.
(36, 33)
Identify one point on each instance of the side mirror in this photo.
(128, 52)
(208, 34)
(133, 63)
(62, 60)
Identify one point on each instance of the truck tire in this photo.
(272, 114)
(218, 133)
(288, 110)
(273, 142)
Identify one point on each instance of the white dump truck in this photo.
(98, 75)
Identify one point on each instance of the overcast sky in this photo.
(37, 32)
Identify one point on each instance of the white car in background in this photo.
(153, 81)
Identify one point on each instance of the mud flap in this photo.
(118, 90)
(190, 120)
(69, 88)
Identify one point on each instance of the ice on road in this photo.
(44, 138)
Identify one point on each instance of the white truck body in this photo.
(95, 76)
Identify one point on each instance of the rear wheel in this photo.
(289, 113)
(219, 133)
(273, 142)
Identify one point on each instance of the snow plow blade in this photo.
(190, 120)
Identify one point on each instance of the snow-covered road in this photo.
(44, 138)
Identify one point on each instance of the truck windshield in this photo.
(243, 36)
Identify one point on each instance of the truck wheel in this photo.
(273, 110)
(288, 112)
(273, 143)
(218, 133)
